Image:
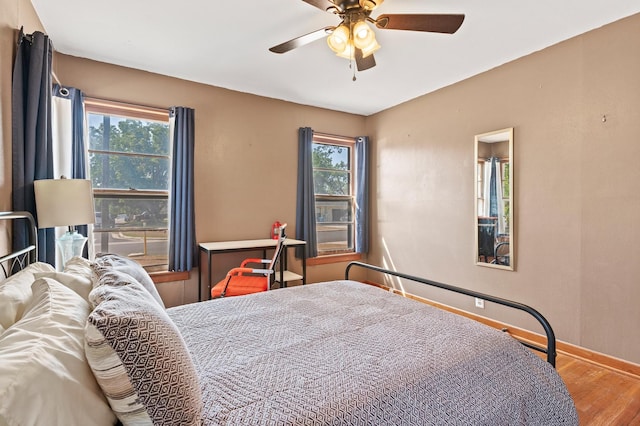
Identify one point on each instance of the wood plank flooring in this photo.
(602, 396)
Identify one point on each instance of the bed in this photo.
(332, 353)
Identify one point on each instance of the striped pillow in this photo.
(138, 356)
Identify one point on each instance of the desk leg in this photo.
(304, 265)
(283, 268)
(209, 275)
(200, 274)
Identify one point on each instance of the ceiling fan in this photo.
(354, 39)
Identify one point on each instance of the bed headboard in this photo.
(22, 257)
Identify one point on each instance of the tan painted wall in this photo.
(576, 178)
(577, 186)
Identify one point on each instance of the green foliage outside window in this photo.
(331, 169)
(125, 171)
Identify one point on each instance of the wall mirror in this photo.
(494, 200)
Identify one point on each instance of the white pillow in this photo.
(15, 292)
(79, 266)
(44, 376)
(78, 283)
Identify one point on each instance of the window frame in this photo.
(329, 255)
(128, 111)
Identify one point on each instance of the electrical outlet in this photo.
(479, 303)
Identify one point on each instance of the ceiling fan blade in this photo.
(325, 5)
(364, 63)
(447, 24)
(302, 40)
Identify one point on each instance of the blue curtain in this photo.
(306, 201)
(32, 157)
(182, 230)
(78, 150)
(362, 194)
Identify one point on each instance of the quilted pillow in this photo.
(139, 357)
(44, 375)
(15, 293)
(119, 263)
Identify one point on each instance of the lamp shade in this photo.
(64, 202)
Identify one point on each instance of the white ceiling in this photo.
(225, 43)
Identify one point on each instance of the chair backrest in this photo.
(276, 253)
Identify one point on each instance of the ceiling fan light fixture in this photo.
(369, 4)
(348, 52)
(369, 49)
(364, 38)
(339, 39)
(362, 35)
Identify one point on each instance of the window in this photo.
(334, 193)
(129, 166)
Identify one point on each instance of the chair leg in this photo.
(226, 285)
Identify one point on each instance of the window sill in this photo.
(166, 276)
(334, 258)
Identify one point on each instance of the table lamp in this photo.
(65, 202)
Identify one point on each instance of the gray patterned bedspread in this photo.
(342, 352)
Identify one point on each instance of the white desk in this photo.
(283, 275)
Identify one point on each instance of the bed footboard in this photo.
(550, 349)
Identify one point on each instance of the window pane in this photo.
(330, 182)
(334, 238)
(327, 156)
(128, 135)
(334, 225)
(129, 160)
(117, 171)
(135, 228)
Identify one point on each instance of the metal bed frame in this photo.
(550, 349)
(20, 259)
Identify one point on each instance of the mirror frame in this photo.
(492, 137)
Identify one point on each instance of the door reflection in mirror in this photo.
(494, 195)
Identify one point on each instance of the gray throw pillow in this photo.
(116, 262)
(138, 356)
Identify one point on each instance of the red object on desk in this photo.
(275, 230)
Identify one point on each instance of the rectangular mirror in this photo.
(494, 199)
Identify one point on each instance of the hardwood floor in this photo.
(602, 396)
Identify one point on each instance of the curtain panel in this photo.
(70, 154)
(305, 200)
(182, 235)
(32, 157)
(362, 194)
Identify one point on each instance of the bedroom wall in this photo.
(13, 14)
(577, 197)
(246, 153)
